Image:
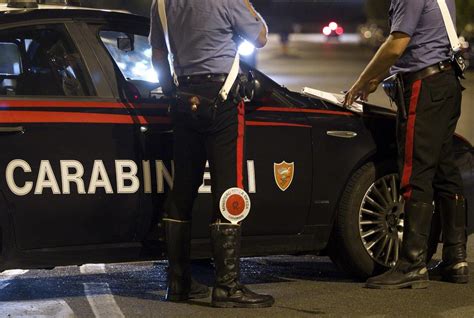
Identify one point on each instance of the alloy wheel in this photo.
(381, 220)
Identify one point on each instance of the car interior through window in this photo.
(41, 61)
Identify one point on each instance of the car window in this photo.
(10, 59)
(132, 54)
(42, 60)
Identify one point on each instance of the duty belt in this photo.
(202, 78)
(410, 78)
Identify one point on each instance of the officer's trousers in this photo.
(425, 138)
(196, 140)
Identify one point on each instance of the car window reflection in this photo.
(134, 63)
(46, 63)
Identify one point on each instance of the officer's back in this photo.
(203, 33)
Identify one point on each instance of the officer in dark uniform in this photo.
(418, 49)
(202, 37)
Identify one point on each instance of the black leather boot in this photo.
(454, 267)
(410, 270)
(180, 284)
(228, 292)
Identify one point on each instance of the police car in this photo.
(87, 145)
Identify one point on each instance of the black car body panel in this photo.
(86, 177)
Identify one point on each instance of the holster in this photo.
(196, 105)
(205, 107)
(245, 88)
(395, 90)
(459, 64)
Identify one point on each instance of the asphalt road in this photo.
(303, 286)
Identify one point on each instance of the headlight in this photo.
(327, 31)
(246, 48)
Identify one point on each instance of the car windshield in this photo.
(135, 60)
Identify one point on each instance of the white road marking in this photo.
(13, 272)
(37, 309)
(8, 275)
(101, 300)
(3, 285)
(99, 295)
(92, 269)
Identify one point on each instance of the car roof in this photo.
(4, 7)
(50, 11)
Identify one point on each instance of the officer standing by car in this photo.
(418, 49)
(202, 37)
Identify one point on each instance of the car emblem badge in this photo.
(235, 205)
(284, 173)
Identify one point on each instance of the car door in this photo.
(278, 168)
(69, 152)
(125, 47)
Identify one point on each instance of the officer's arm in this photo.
(161, 65)
(247, 23)
(379, 66)
(262, 37)
(386, 56)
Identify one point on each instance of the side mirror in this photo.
(253, 89)
(126, 43)
(10, 59)
(258, 91)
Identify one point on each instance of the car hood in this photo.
(370, 109)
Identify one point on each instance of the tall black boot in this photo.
(228, 292)
(454, 267)
(410, 270)
(180, 284)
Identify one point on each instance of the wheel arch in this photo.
(376, 158)
(464, 154)
(372, 153)
(342, 247)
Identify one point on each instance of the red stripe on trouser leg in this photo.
(240, 144)
(409, 141)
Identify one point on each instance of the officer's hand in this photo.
(361, 90)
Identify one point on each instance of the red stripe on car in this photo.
(75, 104)
(72, 117)
(301, 110)
(274, 124)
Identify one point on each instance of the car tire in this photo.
(363, 230)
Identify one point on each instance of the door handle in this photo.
(342, 134)
(15, 129)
